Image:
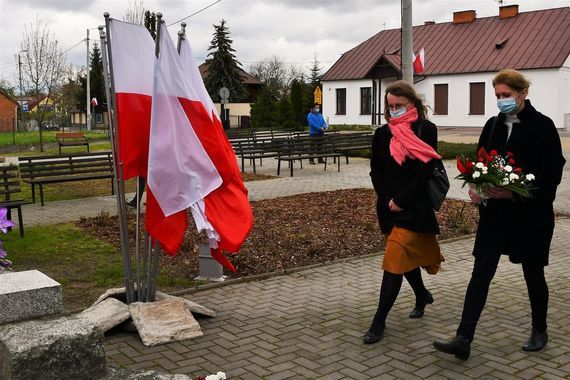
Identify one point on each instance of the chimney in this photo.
(508, 11)
(429, 22)
(463, 17)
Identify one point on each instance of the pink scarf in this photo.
(404, 143)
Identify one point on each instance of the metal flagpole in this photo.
(117, 165)
(88, 97)
(181, 35)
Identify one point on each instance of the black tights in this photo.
(483, 272)
(391, 284)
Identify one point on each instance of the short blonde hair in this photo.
(512, 78)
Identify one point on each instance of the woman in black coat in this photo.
(509, 224)
(401, 165)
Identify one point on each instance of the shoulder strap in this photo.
(495, 119)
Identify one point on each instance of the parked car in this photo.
(50, 127)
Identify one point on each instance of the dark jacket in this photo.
(522, 227)
(406, 184)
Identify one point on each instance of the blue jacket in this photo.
(316, 121)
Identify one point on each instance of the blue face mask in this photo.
(399, 112)
(508, 106)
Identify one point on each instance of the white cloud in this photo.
(291, 29)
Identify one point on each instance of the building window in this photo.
(441, 96)
(98, 118)
(365, 100)
(341, 101)
(477, 98)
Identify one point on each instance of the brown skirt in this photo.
(407, 250)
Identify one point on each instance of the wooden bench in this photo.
(71, 139)
(42, 170)
(348, 142)
(9, 186)
(307, 148)
(254, 149)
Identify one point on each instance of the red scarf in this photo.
(404, 143)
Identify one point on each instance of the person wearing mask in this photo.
(519, 227)
(400, 167)
(317, 128)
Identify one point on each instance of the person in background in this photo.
(317, 128)
(400, 167)
(519, 227)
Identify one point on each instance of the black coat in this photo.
(522, 227)
(406, 184)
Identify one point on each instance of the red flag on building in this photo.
(132, 49)
(419, 62)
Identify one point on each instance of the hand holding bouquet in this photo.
(493, 170)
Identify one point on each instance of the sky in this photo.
(293, 30)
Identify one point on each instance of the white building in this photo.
(461, 58)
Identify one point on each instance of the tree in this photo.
(44, 69)
(223, 68)
(263, 113)
(316, 75)
(274, 73)
(135, 13)
(298, 111)
(7, 88)
(96, 82)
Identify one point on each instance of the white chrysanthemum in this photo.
(505, 181)
(476, 175)
(508, 168)
(513, 176)
(479, 165)
(530, 177)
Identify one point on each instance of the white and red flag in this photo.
(94, 102)
(419, 62)
(132, 49)
(225, 214)
(180, 172)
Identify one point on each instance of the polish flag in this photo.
(225, 214)
(419, 62)
(180, 172)
(132, 54)
(94, 102)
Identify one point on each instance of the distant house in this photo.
(8, 112)
(461, 58)
(236, 111)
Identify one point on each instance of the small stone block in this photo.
(106, 314)
(28, 294)
(62, 348)
(164, 321)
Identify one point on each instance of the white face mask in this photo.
(317, 109)
(399, 112)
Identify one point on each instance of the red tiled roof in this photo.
(530, 40)
(7, 96)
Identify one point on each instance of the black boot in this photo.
(373, 337)
(536, 341)
(418, 311)
(458, 346)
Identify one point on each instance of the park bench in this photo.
(42, 170)
(258, 149)
(71, 139)
(9, 187)
(348, 142)
(307, 148)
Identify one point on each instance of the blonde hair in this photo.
(403, 88)
(512, 78)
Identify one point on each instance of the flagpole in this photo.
(117, 166)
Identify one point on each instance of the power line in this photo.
(195, 13)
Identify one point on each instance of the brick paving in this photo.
(309, 324)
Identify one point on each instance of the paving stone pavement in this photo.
(309, 324)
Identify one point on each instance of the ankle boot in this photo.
(458, 346)
(536, 341)
(418, 311)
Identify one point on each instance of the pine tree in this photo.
(223, 67)
(150, 23)
(96, 79)
(316, 75)
(263, 113)
(298, 111)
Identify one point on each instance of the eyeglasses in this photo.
(394, 107)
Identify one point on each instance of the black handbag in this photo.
(438, 184)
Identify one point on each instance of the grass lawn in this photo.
(26, 138)
(83, 265)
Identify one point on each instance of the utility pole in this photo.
(22, 113)
(407, 43)
(88, 99)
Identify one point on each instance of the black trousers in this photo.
(483, 272)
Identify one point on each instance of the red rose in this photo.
(517, 170)
(511, 161)
(494, 152)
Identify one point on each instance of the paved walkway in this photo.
(309, 324)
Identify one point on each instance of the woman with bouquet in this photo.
(401, 165)
(511, 224)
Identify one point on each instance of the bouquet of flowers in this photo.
(490, 169)
(5, 223)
